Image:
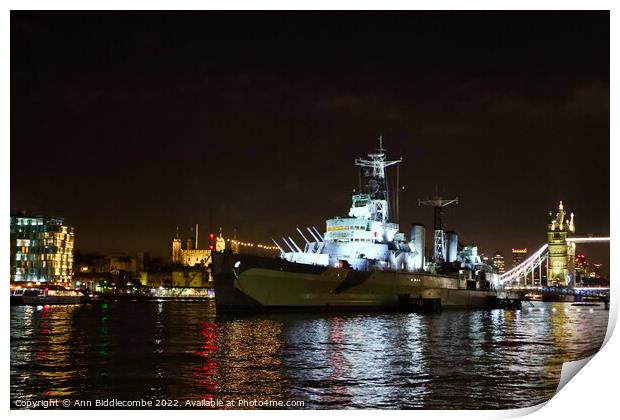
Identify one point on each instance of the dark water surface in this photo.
(174, 350)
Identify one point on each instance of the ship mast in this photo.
(377, 186)
(438, 203)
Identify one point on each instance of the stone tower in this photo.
(561, 269)
(234, 244)
(176, 248)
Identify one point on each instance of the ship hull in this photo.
(260, 284)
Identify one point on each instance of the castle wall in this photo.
(192, 257)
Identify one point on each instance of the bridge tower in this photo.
(561, 263)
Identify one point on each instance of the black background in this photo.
(129, 124)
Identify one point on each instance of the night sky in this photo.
(131, 124)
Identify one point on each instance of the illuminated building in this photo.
(176, 249)
(518, 256)
(41, 249)
(498, 262)
(561, 267)
(190, 255)
(582, 268)
(234, 243)
(220, 243)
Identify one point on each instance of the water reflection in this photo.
(456, 359)
(206, 372)
(41, 351)
(248, 359)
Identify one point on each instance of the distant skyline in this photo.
(129, 124)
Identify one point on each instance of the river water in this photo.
(182, 353)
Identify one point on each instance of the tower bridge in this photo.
(556, 257)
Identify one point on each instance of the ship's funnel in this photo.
(452, 240)
(418, 238)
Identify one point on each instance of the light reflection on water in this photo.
(173, 350)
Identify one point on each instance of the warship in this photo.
(362, 261)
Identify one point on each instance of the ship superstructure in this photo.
(365, 239)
